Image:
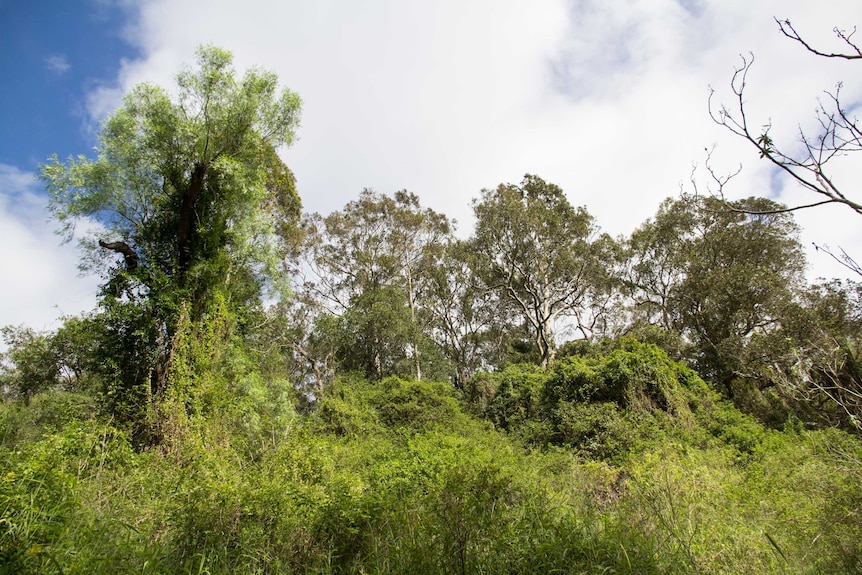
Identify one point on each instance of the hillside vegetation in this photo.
(621, 462)
(265, 391)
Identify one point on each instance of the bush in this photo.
(516, 393)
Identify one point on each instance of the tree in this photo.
(717, 276)
(820, 370)
(29, 365)
(370, 265)
(194, 198)
(538, 252)
(470, 323)
(838, 132)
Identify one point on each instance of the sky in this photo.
(606, 98)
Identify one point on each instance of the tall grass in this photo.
(397, 478)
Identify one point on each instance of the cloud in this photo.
(40, 279)
(607, 100)
(57, 64)
(101, 100)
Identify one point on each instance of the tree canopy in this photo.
(191, 193)
(411, 406)
(178, 184)
(539, 252)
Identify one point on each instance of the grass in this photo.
(364, 485)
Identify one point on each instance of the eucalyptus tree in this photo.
(657, 256)
(187, 202)
(471, 324)
(539, 253)
(369, 265)
(744, 275)
(718, 276)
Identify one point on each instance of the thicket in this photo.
(621, 462)
(403, 404)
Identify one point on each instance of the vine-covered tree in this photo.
(193, 198)
(817, 355)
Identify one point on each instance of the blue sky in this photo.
(53, 54)
(606, 98)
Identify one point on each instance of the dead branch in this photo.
(838, 135)
(788, 30)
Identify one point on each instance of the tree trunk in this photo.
(186, 224)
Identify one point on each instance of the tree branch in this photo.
(129, 255)
(839, 135)
(788, 30)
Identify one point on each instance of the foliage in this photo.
(817, 374)
(192, 194)
(596, 402)
(29, 365)
(470, 323)
(371, 266)
(539, 253)
(395, 477)
(718, 277)
(410, 410)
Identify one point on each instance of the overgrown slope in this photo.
(618, 461)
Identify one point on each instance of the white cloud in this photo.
(40, 280)
(100, 102)
(608, 100)
(57, 64)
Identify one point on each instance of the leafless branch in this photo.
(788, 30)
(838, 135)
(843, 258)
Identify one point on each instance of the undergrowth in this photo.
(620, 462)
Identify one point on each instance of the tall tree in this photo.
(538, 252)
(370, 264)
(192, 195)
(657, 253)
(717, 276)
(470, 323)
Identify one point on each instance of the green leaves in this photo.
(192, 193)
(537, 252)
(31, 364)
(716, 274)
(179, 181)
(374, 265)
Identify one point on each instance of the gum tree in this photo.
(370, 265)
(539, 253)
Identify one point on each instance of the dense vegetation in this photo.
(261, 391)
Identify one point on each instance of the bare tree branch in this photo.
(838, 135)
(843, 258)
(788, 30)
